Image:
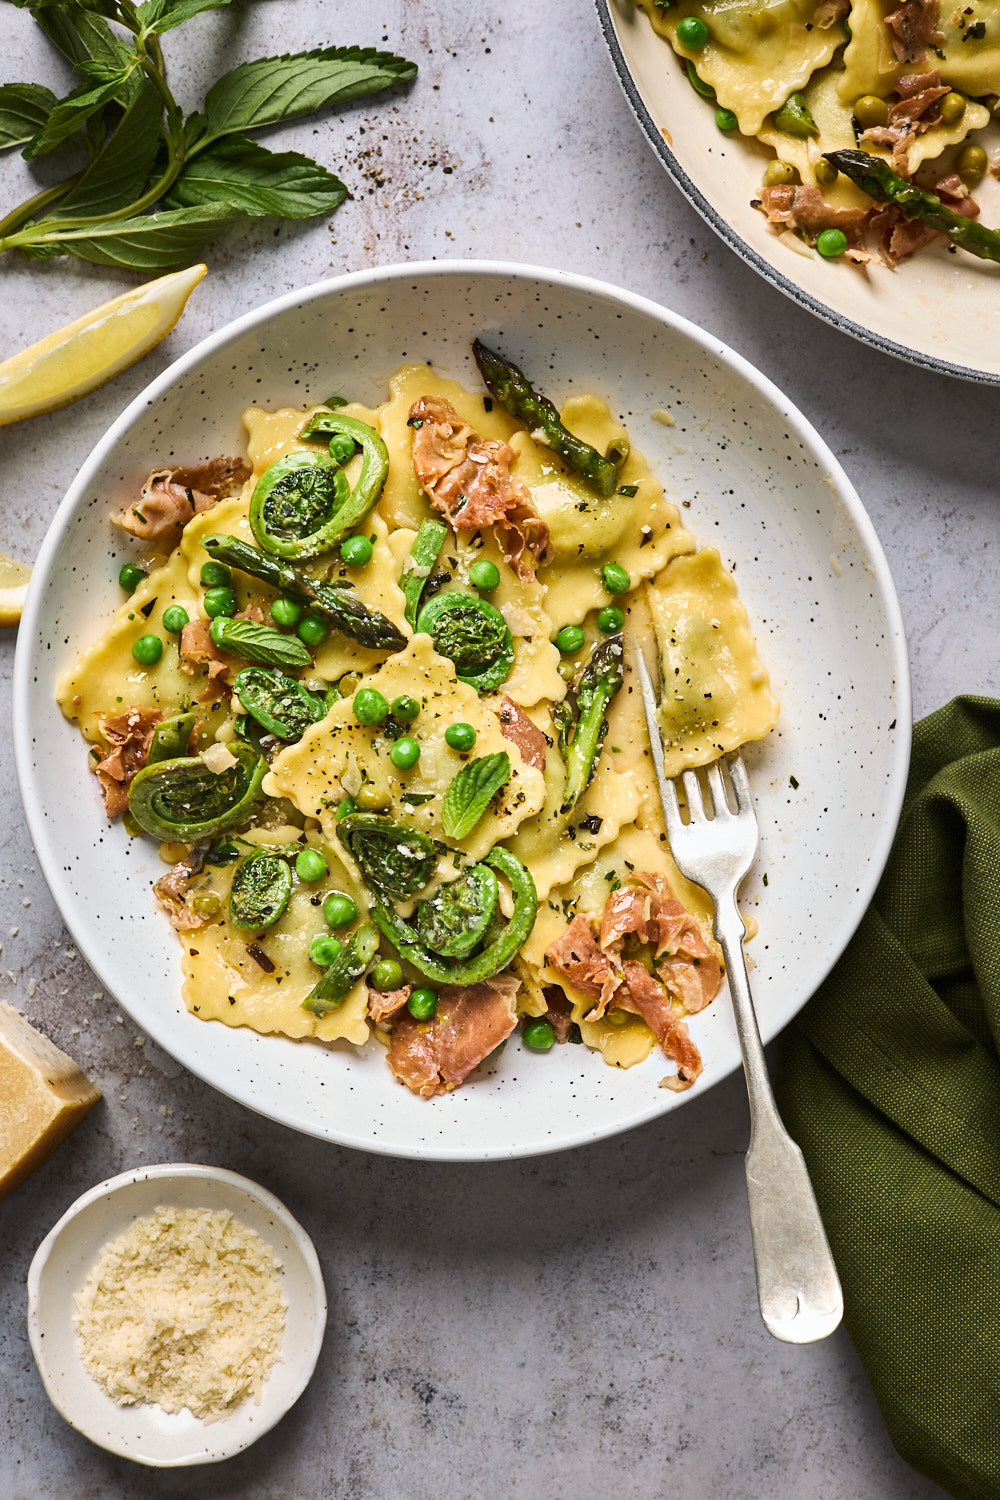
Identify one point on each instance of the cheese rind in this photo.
(43, 1096)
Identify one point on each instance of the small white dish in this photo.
(146, 1434)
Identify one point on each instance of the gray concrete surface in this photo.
(582, 1325)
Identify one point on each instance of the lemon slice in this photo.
(83, 355)
(14, 577)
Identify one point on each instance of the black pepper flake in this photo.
(260, 958)
(793, 783)
(487, 403)
(147, 609)
(592, 823)
(414, 421)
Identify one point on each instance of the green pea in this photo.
(341, 447)
(460, 736)
(615, 579)
(175, 618)
(339, 910)
(971, 164)
(371, 798)
(405, 708)
(779, 174)
(220, 602)
(130, 577)
(215, 575)
(369, 706)
(356, 551)
(831, 243)
(538, 1035)
(405, 753)
(610, 619)
(422, 1004)
(312, 630)
(692, 33)
(310, 865)
(870, 111)
(324, 950)
(725, 119)
(147, 650)
(387, 974)
(952, 108)
(286, 612)
(484, 575)
(570, 639)
(825, 173)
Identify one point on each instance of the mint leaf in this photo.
(80, 36)
(162, 15)
(282, 88)
(152, 242)
(470, 791)
(24, 109)
(72, 112)
(237, 170)
(118, 176)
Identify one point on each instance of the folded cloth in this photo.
(890, 1081)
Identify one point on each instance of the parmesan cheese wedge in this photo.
(43, 1096)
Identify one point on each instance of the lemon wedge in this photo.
(83, 355)
(14, 577)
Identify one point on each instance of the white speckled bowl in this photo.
(63, 1262)
(938, 310)
(762, 486)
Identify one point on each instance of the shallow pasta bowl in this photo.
(937, 309)
(762, 486)
(63, 1260)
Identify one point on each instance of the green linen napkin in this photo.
(890, 1082)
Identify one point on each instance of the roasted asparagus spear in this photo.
(876, 178)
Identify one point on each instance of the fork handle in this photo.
(797, 1284)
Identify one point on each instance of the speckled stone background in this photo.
(581, 1325)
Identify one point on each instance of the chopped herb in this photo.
(628, 489)
(414, 421)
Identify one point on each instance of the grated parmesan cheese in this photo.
(183, 1309)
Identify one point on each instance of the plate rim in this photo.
(731, 236)
(814, 444)
(200, 1172)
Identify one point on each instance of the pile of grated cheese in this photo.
(184, 1308)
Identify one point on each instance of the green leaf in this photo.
(151, 242)
(470, 792)
(80, 36)
(237, 170)
(282, 88)
(119, 175)
(24, 109)
(70, 113)
(162, 15)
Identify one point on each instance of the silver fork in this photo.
(797, 1284)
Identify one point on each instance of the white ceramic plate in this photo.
(938, 310)
(63, 1262)
(762, 486)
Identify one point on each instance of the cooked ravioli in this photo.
(756, 54)
(715, 694)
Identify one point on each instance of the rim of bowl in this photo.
(196, 1172)
(745, 251)
(194, 1058)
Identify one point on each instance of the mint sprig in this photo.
(470, 792)
(156, 186)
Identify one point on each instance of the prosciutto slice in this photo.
(434, 1057)
(171, 497)
(519, 729)
(912, 29)
(803, 207)
(129, 736)
(467, 478)
(686, 967)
